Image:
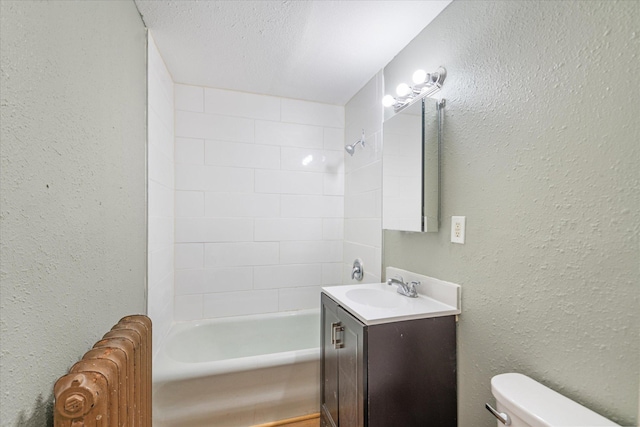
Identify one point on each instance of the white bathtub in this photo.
(238, 371)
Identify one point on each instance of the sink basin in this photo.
(375, 298)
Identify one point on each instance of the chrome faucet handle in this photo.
(412, 288)
(357, 271)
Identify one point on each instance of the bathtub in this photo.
(238, 371)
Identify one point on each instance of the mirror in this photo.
(411, 168)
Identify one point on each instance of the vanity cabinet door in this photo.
(342, 368)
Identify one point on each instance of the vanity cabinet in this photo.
(401, 373)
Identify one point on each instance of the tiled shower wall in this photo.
(161, 194)
(259, 202)
(363, 183)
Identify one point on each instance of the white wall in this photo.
(259, 202)
(363, 183)
(72, 189)
(161, 194)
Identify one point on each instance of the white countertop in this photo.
(377, 303)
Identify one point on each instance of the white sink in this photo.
(375, 298)
(376, 303)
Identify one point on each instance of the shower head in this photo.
(352, 148)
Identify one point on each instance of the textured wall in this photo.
(72, 187)
(161, 195)
(541, 154)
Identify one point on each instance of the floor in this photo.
(312, 420)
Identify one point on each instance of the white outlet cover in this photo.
(457, 229)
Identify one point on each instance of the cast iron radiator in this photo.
(111, 385)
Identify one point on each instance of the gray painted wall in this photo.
(72, 189)
(541, 154)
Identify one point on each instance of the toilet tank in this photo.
(531, 404)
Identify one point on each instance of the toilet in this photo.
(524, 402)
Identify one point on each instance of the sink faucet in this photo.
(406, 289)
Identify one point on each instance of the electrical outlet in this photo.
(457, 229)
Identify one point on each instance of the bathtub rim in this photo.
(167, 369)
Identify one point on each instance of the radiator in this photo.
(111, 385)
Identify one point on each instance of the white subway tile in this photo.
(160, 134)
(189, 281)
(228, 279)
(363, 205)
(225, 304)
(235, 154)
(310, 252)
(160, 232)
(213, 126)
(310, 160)
(160, 264)
(193, 230)
(299, 298)
(288, 134)
(189, 177)
(301, 206)
(371, 153)
(188, 307)
(189, 204)
(365, 179)
(288, 182)
(160, 100)
(241, 104)
(160, 199)
(369, 255)
(287, 276)
(189, 151)
(333, 184)
(160, 167)
(332, 228)
(189, 98)
(280, 229)
(333, 139)
(241, 254)
(313, 113)
(233, 205)
(268, 181)
(364, 231)
(332, 274)
(189, 255)
(221, 179)
(158, 68)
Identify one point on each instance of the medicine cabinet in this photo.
(411, 167)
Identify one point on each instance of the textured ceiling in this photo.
(321, 51)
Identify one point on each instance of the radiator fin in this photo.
(111, 385)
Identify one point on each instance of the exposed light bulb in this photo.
(419, 76)
(388, 101)
(403, 89)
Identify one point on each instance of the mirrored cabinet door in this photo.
(410, 169)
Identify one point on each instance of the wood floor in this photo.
(312, 420)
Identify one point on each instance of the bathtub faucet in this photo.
(406, 289)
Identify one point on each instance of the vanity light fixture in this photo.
(424, 85)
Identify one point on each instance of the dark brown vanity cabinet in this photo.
(386, 375)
